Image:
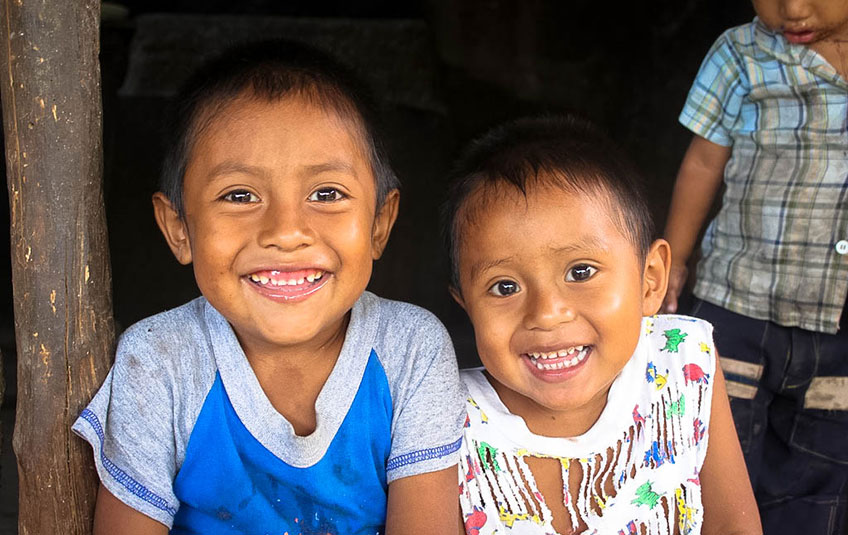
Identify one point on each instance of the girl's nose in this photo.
(547, 310)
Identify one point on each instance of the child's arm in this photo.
(111, 515)
(426, 503)
(698, 180)
(729, 506)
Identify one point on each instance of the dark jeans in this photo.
(788, 392)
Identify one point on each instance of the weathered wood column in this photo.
(50, 85)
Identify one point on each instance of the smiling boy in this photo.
(286, 398)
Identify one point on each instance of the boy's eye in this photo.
(580, 273)
(240, 197)
(326, 195)
(504, 288)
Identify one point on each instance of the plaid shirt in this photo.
(776, 249)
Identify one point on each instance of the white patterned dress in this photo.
(639, 463)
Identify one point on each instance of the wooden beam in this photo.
(50, 85)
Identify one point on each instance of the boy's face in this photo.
(280, 221)
(556, 295)
(805, 21)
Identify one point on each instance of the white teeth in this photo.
(579, 352)
(262, 279)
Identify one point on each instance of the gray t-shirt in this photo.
(181, 419)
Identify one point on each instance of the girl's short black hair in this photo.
(561, 151)
(272, 71)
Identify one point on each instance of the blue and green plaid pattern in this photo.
(770, 253)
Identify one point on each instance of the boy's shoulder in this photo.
(753, 41)
(398, 319)
(404, 336)
(168, 338)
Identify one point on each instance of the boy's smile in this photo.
(556, 295)
(280, 221)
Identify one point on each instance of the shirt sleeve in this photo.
(429, 408)
(130, 426)
(714, 103)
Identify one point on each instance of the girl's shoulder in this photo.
(676, 339)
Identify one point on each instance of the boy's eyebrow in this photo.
(230, 167)
(332, 165)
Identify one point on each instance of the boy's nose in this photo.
(547, 310)
(284, 227)
(795, 10)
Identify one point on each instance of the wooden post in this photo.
(50, 85)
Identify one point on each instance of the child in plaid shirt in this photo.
(769, 109)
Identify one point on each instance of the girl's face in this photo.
(556, 295)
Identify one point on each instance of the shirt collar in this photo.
(776, 45)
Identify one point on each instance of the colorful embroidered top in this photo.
(183, 432)
(776, 249)
(639, 464)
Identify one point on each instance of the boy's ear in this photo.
(173, 227)
(655, 277)
(383, 223)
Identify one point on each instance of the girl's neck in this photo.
(548, 422)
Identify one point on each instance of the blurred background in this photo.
(445, 72)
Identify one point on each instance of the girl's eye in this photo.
(504, 288)
(580, 273)
(326, 195)
(240, 197)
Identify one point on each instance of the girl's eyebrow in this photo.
(585, 243)
(480, 267)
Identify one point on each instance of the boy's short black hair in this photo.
(272, 71)
(561, 151)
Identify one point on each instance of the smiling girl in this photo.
(592, 415)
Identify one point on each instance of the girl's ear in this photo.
(457, 296)
(173, 227)
(655, 277)
(383, 223)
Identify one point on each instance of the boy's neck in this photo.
(835, 51)
(292, 377)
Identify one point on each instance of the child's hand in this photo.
(677, 277)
